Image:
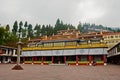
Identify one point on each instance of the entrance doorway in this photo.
(58, 59)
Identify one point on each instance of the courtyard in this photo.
(61, 72)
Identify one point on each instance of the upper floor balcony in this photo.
(93, 45)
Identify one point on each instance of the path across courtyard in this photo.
(50, 72)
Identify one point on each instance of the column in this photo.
(32, 60)
(23, 60)
(65, 59)
(42, 59)
(36, 58)
(104, 59)
(52, 59)
(27, 59)
(90, 60)
(10, 52)
(4, 59)
(76, 59)
(9, 59)
(6, 52)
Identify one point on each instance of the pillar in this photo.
(52, 59)
(90, 60)
(76, 59)
(6, 51)
(4, 59)
(32, 60)
(104, 59)
(64, 59)
(27, 59)
(0, 59)
(42, 59)
(23, 60)
(36, 58)
(9, 59)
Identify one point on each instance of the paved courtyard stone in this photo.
(48, 72)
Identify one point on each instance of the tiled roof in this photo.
(2, 46)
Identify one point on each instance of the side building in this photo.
(111, 38)
(114, 54)
(67, 47)
(7, 54)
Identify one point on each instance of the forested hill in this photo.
(7, 37)
(87, 27)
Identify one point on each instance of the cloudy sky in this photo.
(105, 12)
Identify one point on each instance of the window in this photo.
(59, 43)
(70, 43)
(84, 58)
(48, 44)
(116, 36)
(97, 58)
(111, 36)
(118, 48)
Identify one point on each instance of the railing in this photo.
(95, 45)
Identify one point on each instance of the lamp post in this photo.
(17, 66)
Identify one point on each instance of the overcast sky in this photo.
(105, 12)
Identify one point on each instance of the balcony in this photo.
(94, 45)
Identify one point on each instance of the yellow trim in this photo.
(99, 62)
(49, 62)
(66, 47)
(71, 61)
(80, 62)
(37, 62)
(29, 62)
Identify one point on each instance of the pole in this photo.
(18, 52)
(17, 66)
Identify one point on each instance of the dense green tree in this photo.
(118, 30)
(47, 30)
(7, 27)
(43, 30)
(7, 37)
(30, 31)
(15, 27)
(2, 34)
(79, 27)
(11, 38)
(25, 30)
(51, 30)
(23, 33)
(20, 26)
(70, 26)
(61, 26)
(57, 26)
(37, 30)
(25, 25)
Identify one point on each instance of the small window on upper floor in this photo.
(116, 36)
(105, 37)
(111, 36)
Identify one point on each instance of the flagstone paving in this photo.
(50, 72)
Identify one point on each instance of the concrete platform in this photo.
(47, 72)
